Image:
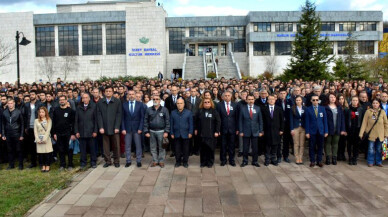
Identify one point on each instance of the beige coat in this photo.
(380, 130)
(47, 146)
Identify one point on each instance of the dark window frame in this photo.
(45, 41)
(92, 39)
(115, 38)
(261, 48)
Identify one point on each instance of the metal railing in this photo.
(204, 65)
(236, 64)
(215, 67)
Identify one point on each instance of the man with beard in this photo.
(63, 131)
(30, 114)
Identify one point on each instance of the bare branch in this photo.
(46, 65)
(6, 51)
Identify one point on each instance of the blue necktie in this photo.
(131, 107)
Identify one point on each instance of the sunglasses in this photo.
(315, 100)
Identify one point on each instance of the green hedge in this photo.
(125, 78)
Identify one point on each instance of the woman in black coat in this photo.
(353, 123)
(208, 125)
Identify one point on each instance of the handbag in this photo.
(365, 136)
(165, 143)
(384, 149)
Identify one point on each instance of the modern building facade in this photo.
(136, 37)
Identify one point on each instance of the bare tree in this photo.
(271, 64)
(70, 64)
(6, 51)
(46, 65)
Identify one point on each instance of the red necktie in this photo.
(227, 110)
(250, 112)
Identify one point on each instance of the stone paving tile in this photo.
(287, 190)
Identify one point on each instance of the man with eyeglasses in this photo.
(157, 127)
(316, 130)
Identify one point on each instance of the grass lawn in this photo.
(21, 190)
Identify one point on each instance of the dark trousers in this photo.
(122, 144)
(247, 141)
(227, 146)
(353, 145)
(287, 141)
(98, 145)
(207, 151)
(261, 145)
(114, 141)
(194, 144)
(271, 150)
(341, 146)
(63, 149)
(29, 143)
(85, 143)
(316, 147)
(181, 150)
(44, 159)
(3, 152)
(14, 150)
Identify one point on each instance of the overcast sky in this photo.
(211, 7)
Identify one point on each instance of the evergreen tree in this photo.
(354, 65)
(340, 69)
(310, 56)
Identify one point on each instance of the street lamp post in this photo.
(24, 42)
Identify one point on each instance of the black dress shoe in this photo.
(312, 164)
(320, 164)
(279, 160)
(117, 165)
(202, 166)
(240, 154)
(210, 166)
(256, 164)
(128, 165)
(266, 164)
(243, 164)
(223, 164)
(196, 153)
(107, 165)
(287, 160)
(275, 163)
(185, 165)
(138, 164)
(233, 164)
(177, 164)
(94, 166)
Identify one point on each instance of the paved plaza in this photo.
(286, 190)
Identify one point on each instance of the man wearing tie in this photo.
(273, 130)
(194, 102)
(170, 104)
(384, 99)
(316, 130)
(132, 126)
(229, 117)
(285, 104)
(250, 128)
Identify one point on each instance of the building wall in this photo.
(10, 23)
(89, 67)
(174, 61)
(147, 22)
(243, 62)
(100, 6)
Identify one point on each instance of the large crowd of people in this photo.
(47, 122)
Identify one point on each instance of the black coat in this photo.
(229, 123)
(194, 108)
(169, 103)
(86, 121)
(207, 122)
(27, 113)
(260, 103)
(109, 115)
(272, 126)
(12, 124)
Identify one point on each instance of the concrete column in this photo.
(376, 50)
(335, 48)
(103, 39)
(336, 27)
(227, 31)
(196, 49)
(56, 39)
(187, 33)
(273, 29)
(80, 39)
(219, 50)
(273, 49)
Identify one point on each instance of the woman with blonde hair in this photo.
(44, 147)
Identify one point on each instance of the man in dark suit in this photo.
(182, 130)
(170, 104)
(30, 114)
(273, 130)
(262, 102)
(132, 124)
(194, 102)
(285, 104)
(85, 128)
(109, 121)
(316, 130)
(250, 128)
(229, 119)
